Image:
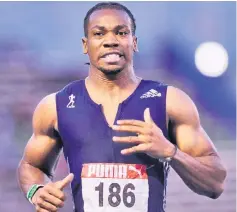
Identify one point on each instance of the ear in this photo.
(84, 45)
(135, 44)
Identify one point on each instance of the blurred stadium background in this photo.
(191, 45)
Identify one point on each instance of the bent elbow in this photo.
(216, 193)
(219, 188)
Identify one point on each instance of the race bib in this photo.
(108, 187)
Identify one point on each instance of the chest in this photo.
(110, 112)
(86, 131)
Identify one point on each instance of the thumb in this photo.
(147, 116)
(65, 182)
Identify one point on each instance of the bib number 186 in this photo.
(114, 198)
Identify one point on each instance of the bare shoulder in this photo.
(45, 114)
(180, 107)
(48, 101)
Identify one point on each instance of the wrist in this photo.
(32, 191)
(170, 153)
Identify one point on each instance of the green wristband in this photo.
(32, 191)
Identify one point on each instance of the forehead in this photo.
(109, 18)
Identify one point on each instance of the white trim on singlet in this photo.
(166, 169)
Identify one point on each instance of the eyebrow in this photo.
(115, 28)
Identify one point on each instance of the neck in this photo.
(112, 83)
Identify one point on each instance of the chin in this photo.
(111, 71)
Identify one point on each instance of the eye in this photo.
(122, 33)
(98, 34)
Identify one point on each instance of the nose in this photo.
(110, 41)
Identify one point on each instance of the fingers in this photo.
(43, 205)
(147, 116)
(131, 139)
(57, 201)
(51, 197)
(46, 201)
(55, 192)
(65, 182)
(38, 209)
(129, 128)
(132, 122)
(135, 149)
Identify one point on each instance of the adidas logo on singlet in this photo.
(150, 94)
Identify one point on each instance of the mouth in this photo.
(112, 57)
(112, 53)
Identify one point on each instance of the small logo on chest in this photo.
(71, 101)
(150, 94)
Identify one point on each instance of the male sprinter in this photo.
(119, 133)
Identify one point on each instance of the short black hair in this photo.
(108, 5)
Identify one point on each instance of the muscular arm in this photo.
(196, 161)
(43, 148)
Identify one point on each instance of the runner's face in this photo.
(110, 44)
